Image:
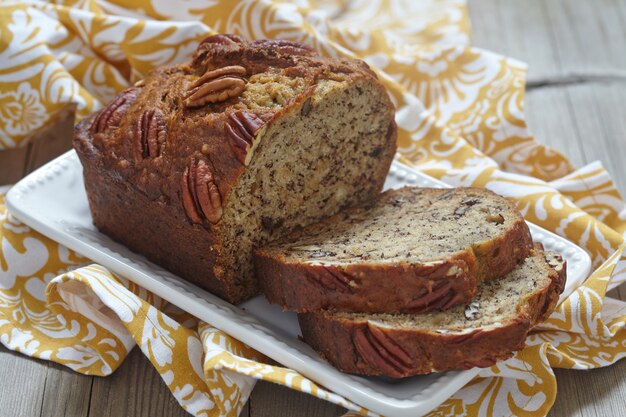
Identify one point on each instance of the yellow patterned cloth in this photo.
(460, 117)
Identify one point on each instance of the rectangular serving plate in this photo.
(52, 200)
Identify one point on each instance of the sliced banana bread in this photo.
(491, 327)
(202, 161)
(412, 250)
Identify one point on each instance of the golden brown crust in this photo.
(393, 288)
(176, 121)
(362, 347)
(367, 288)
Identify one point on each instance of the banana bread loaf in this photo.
(412, 250)
(200, 162)
(489, 328)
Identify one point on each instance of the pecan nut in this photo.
(200, 195)
(285, 46)
(241, 128)
(382, 352)
(215, 46)
(482, 363)
(466, 338)
(111, 116)
(332, 278)
(495, 218)
(221, 39)
(554, 260)
(428, 301)
(472, 311)
(150, 135)
(215, 86)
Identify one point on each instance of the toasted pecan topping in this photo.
(150, 135)
(216, 85)
(215, 46)
(111, 116)
(200, 195)
(241, 128)
(221, 39)
(285, 46)
(189, 200)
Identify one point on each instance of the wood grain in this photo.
(576, 103)
(48, 143)
(557, 38)
(26, 397)
(67, 393)
(271, 400)
(136, 389)
(13, 165)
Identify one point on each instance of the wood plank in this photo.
(47, 144)
(586, 121)
(558, 38)
(272, 400)
(24, 382)
(54, 141)
(599, 111)
(599, 392)
(517, 29)
(588, 36)
(67, 393)
(13, 164)
(135, 389)
(550, 120)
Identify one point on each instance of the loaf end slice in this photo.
(488, 329)
(413, 250)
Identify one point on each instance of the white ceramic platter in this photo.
(52, 201)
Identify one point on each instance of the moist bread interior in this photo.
(413, 227)
(308, 165)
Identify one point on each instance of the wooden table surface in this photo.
(576, 102)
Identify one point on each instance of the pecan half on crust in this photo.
(241, 128)
(200, 195)
(215, 86)
(331, 278)
(150, 135)
(221, 39)
(285, 46)
(111, 116)
(381, 351)
(215, 45)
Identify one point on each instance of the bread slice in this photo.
(412, 250)
(489, 328)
